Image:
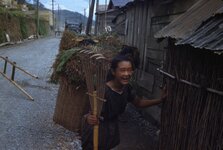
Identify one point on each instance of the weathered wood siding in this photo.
(110, 16)
(137, 27)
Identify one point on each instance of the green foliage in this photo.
(43, 29)
(64, 57)
(1, 10)
(11, 13)
(17, 13)
(23, 27)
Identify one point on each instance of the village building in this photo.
(192, 118)
(9, 3)
(107, 13)
(136, 23)
(6, 3)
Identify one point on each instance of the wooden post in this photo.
(13, 72)
(96, 127)
(96, 20)
(19, 68)
(90, 17)
(19, 87)
(5, 65)
(37, 19)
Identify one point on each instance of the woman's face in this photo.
(123, 72)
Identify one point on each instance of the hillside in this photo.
(70, 17)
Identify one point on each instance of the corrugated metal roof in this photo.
(208, 36)
(120, 3)
(187, 23)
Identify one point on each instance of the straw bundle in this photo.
(72, 101)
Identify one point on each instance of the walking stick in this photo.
(95, 67)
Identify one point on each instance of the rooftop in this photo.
(201, 26)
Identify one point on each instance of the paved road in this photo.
(28, 125)
(24, 124)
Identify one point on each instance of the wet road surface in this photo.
(28, 125)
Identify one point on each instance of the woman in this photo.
(118, 93)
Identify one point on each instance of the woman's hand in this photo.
(92, 119)
(164, 94)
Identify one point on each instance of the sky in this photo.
(73, 5)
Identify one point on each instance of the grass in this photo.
(23, 27)
(43, 29)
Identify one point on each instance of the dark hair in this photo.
(132, 53)
(119, 58)
(114, 64)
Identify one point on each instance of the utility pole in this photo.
(53, 15)
(90, 17)
(37, 19)
(84, 23)
(96, 21)
(58, 21)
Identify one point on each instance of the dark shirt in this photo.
(109, 136)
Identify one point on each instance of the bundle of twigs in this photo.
(192, 117)
(72, 101)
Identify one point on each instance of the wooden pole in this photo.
(96, 127)
(13, 72)
(190, 83)
(12, 63)
(53, 15)
(90, 17)
(96, 20)
(5, 65)
(19, 87)
(37, 19)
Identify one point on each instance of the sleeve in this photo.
(131, 94)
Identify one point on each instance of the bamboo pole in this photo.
(13, 72)
(190, 83)
(12, 63)
(19, 87)
(5, 65)
(96, 127)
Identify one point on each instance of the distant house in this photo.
(6, 3)
(192, 115)
(106, 15)
(102, 19)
